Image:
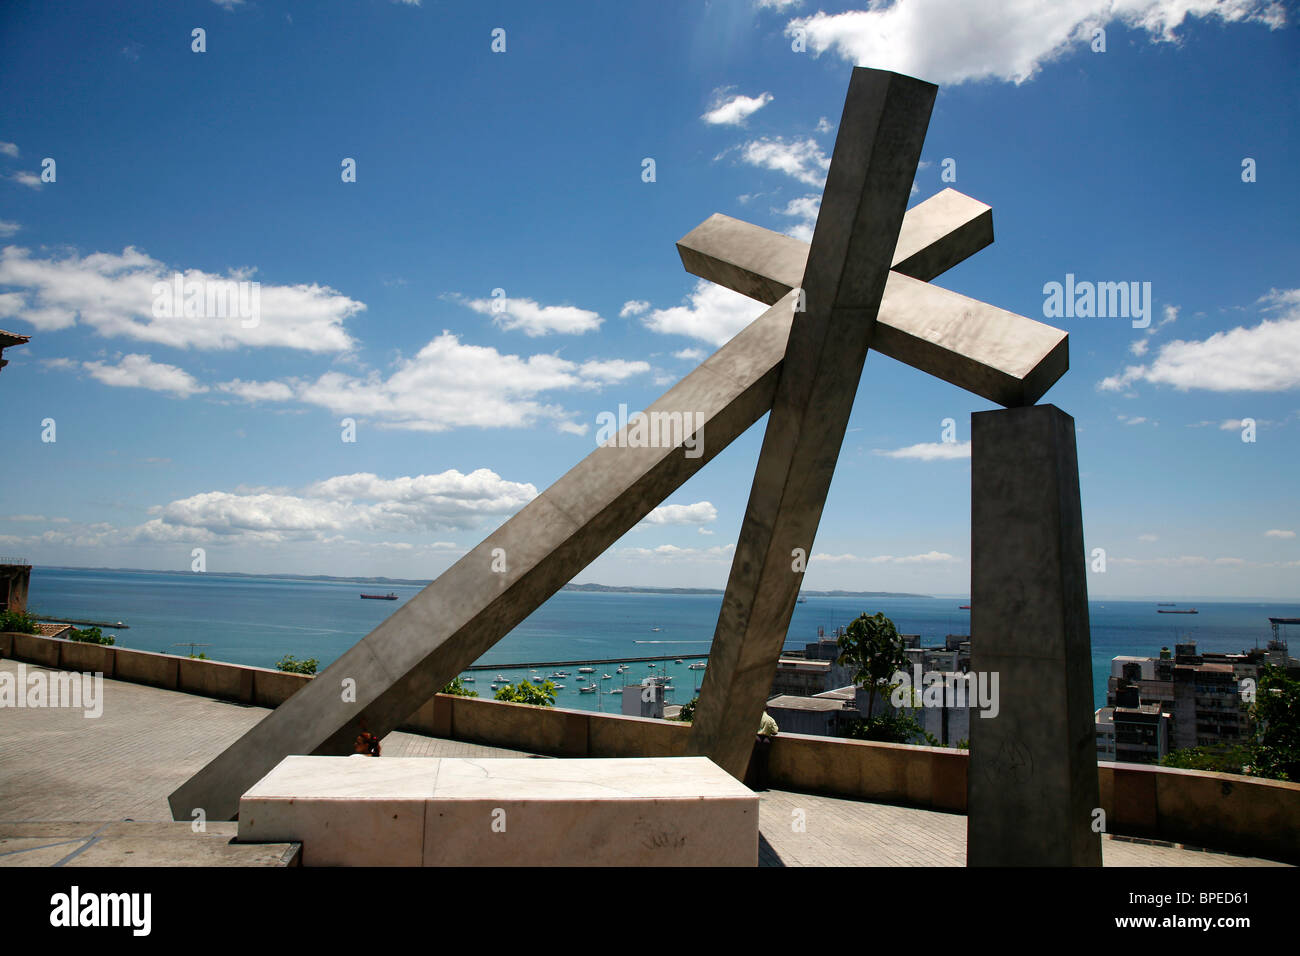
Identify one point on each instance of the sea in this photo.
(259, 620)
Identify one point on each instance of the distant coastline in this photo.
(592, 588)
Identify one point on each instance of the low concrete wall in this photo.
(1218, 811)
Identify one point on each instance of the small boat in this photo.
(963, 607)
(802, 600)
(678, 661)
(589, 689)
(656, 628)
(467, 680)
(390, 596)
(561, 674)
(697, 666)
(605, 677)
(500, 679)
(580, 677)
(621, 668)
(652, 664)
(586, 670)
(559, 687)
(1188, 611)
(616, 690)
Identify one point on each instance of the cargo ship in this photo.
(390, 596)
(1192, 610)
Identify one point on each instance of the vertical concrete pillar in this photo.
(1032, 782)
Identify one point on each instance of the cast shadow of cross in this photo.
(861, 283)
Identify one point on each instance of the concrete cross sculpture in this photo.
(861, 283)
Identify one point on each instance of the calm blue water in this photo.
(259, 620)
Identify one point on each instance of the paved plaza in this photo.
(59, 769)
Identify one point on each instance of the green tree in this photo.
(290, 665)
(892, 728)
(457, 688)
(1275, 719)
(17, 622)
(91, 635)
(1213, 759)
(687, 713)
(540, 695)
(871, 645)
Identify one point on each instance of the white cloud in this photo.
(114, 295)
(534, 319)
(804, 209)
(956, 41)
(1257, 359)
(1139, 347)
(690, 355)
(258, 391)
(140, 371)
(669, 553)
(929, 557)
(1170, 313)
(1278, 533)
(776, 4)
(702, 512)
(929, 451)
(1148, 537)
(8, 228)
(612, 371)
(712, 314)
(735, 110)
(9, 149)
(825, 126)
(25, 178)
(448, 384)
(360, 502)
(633, 307)
(801, 158)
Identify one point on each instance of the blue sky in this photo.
(521, 171)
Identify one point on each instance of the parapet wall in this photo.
(1237, 814)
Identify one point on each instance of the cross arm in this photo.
(996, 354)
(765, 265)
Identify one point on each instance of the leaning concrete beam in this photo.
(848, 267)
(1032, 783)
(453, 621)
(996, 354)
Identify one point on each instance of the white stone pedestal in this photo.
(430, 811)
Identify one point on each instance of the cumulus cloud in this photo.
(1278, 533)
(712, 314)
(361, 502)
(734, 110)
(534, 319)
(702, 512)
(669, 553)
(1260, 358)
(929, 557)
(929, 451)
(9, 149)
(633, 307)
(28, 179)
(955, 41)
(141, 371)
(115, 295)
(449, 384)
(804, 209)
(802, 159)
(258, 391)
(8, 228)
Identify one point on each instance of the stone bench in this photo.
(445, 811)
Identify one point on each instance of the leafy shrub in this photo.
(17, 622)
(290, 665)
(457, 688)
(91, 635)
(540, 695)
